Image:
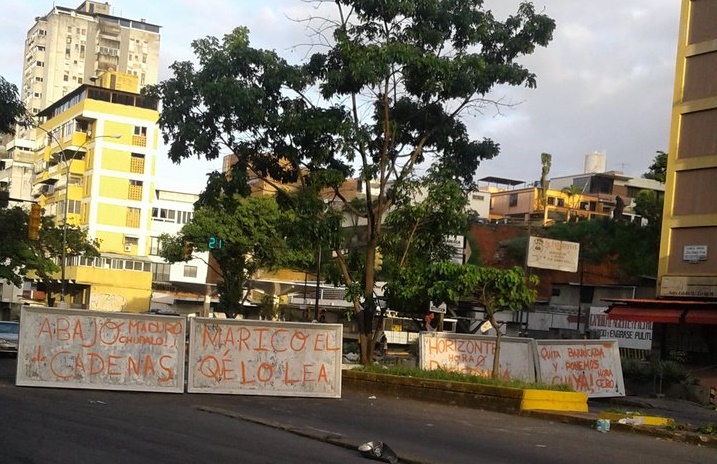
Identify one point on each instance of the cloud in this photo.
(604, 83)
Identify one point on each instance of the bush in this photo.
(671, 370)
(451, 376)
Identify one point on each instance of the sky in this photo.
(604, 83)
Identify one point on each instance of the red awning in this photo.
(667, 316)
(701, 317)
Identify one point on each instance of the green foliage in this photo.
(669, 371)
(251, 233)
(20, 256)
(631, 249)
(493, 289)
(658, 168)
(452, 376)
(415, 231)
(12, 110)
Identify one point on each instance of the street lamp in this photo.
(67, 162)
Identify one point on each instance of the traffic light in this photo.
(188, 247)
(378, 260)
(33, 226)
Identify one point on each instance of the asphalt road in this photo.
(45, 425)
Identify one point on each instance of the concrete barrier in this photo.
(489, 397)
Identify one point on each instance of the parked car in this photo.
(9, 336)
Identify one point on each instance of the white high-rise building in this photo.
(68, 47)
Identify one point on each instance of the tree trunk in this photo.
(496, 355)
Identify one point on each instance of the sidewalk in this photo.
(688, 417)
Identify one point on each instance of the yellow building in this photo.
(688, 250)
(523, 204)
(97, 171)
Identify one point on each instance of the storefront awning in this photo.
(666, 316)
(701, 317)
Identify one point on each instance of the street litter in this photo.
(372, 397)
(378, 451)
(97, 402)
(602, 425)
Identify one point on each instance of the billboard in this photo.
(103, 351)
(249, 357)
(588, 366)
(629, 334)
(474, 354)
(558, 255)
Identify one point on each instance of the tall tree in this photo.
(658, 169)
(12, 110)
(243, 235)
(389, 94)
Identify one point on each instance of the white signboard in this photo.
(474, 354)
(588, 366)
(629, 334)
(247, 357)
(103, 351)
(559, 255)
(694, 253)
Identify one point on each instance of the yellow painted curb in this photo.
(549, 400)
(635, 419)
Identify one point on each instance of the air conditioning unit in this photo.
(128, 248)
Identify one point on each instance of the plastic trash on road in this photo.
(602, 425)
(378, 451)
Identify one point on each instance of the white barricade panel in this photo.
(246, 357)
(474, 354)
(102, 351)
(588, 366)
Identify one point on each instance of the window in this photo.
(136, 164)
(190, 271)
(184, 217)
(160, 272)
(135, 190)
(38, 79)
(140, 131)
(155, 246)
(161, 214)
(65, 78)
(140, 136)
(40, 64)
(513, 199)
(133, 215)
(551, 200)
(561, 202)
(478, 197)
(130, 240)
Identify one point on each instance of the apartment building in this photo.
(67, 47)
(96, 171)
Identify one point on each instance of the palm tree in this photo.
(574, 194)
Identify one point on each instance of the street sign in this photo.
(438, 309)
